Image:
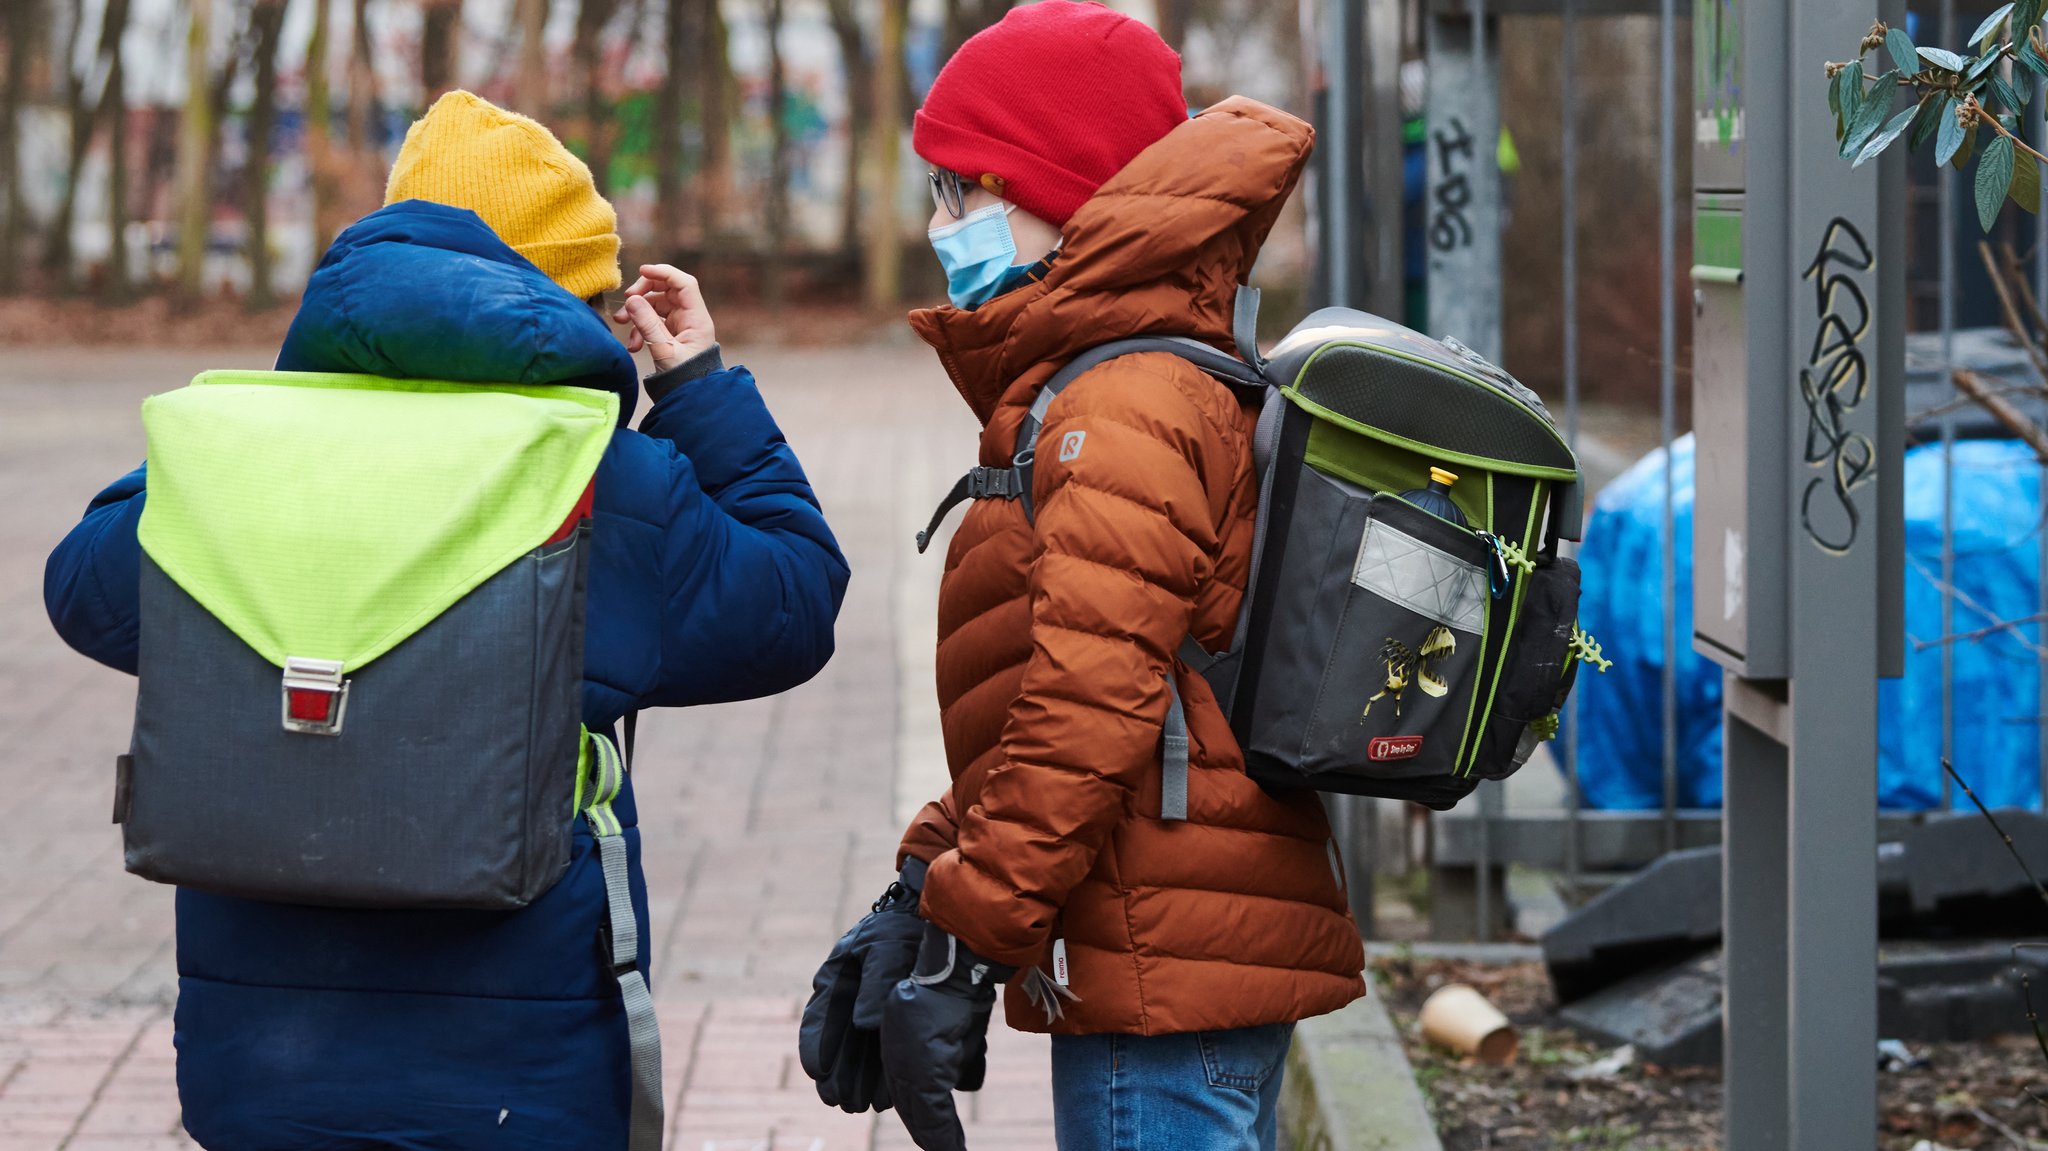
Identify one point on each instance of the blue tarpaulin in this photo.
(1997, 702)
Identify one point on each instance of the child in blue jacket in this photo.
(713, 577)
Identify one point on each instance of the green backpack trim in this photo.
(1386, 463)
(1470, 749)
(1340, 450)
(332, 516)
(1435, 452)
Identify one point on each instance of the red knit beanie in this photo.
(1049, 103)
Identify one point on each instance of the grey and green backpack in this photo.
(361, 641)
(1383, 649)
(361, 656)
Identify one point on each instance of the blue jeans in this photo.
(1201, 1091)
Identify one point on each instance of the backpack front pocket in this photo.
(1397, 693)
(1540, 669)
(1379, 614)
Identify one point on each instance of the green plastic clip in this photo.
(1586, 649)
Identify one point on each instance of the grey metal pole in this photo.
(1464, 243)
(1947, 202)
(1667, 394)
(1381, 160)
(1463, 236)
(1568, 235)
(1365, 889)
(2041, 495)
(1342, 45)
(1336, 147)
(1483, 167)
(1830, 939)
(1800, 817)
(1756, 1027)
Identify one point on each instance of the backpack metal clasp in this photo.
(315, 695)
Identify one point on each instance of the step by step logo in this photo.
(1390, 747)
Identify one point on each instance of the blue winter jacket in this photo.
(712, 577)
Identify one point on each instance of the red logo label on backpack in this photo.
(1386, 747)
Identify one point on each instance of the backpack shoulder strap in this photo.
(1014, 482)
(1244, 326)
(1173, 735)
(606, 774)
(1225, 367)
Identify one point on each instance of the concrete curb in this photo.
(1349, 1086)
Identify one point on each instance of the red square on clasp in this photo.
(310, 705)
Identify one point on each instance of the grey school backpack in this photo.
(1382, 650)
(361, 656)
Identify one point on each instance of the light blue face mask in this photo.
(978, 252)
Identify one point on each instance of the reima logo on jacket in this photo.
(1070, 445)
(1386, 747)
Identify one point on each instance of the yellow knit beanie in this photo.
(469, 153)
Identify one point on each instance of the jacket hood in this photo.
(1159, 249)
(419, 290)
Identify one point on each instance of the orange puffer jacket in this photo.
(1055, 639)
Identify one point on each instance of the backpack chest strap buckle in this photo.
(981, 483)
(996, 483)
(315, 696)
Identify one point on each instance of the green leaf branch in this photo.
(1953, 98)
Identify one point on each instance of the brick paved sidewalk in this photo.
(769, 826)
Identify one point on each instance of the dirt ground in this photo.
(1968, 1096)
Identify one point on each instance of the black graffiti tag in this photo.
(1833, 382)
(1448, 226)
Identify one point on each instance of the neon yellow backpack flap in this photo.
(361, 640)
(332, 515)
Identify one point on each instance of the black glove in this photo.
(935, 1037)
(839, 1042)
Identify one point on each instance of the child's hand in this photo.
(666, 311)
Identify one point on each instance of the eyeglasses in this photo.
(949, 192)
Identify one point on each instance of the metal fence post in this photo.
(1463, 229)
(1463, 234)
(1947, 177)
(1667, 399)
(2041, 509)
(1350, 277)
(1568, 238)
(1383, 159)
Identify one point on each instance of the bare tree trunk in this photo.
(591, 19)
(860, 109)
(195, 132)
(1174, 18)
(440, 34)
(220, 89)
(669, 208)
(320, 131)
(240, 44)
(714, 76)
(80, 114)
(963, 18)
(85, 121)
(18, 21)
(268, 20)
(360, 174)
(885, 232)
(114, 106)
(362, 83)
(533, 58)
(159, 170)
(949, 30)
(776, 202)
